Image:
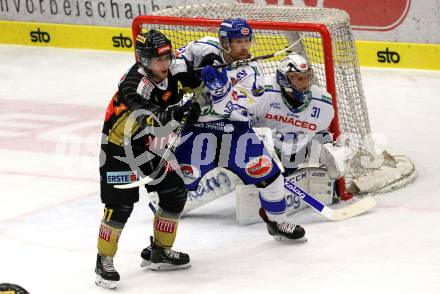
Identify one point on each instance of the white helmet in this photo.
(297, 85)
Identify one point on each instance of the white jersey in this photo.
(293, 127)
(247, 82)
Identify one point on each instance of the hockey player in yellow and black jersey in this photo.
(147, 97)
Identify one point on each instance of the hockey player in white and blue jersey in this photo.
(223, 136)
(295, 110)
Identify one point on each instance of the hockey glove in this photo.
(217, 82)
(211, 59)
(172, 113)
(177, 112)
(192, 111)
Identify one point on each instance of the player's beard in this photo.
(244, 54)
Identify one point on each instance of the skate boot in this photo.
(164, 259)
(106, 275)
(146, 257)
(284, 230)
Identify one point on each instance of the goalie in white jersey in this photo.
(298, 112)
(221, 136)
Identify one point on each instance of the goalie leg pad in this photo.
(165, 227)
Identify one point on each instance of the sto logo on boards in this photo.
(388, 56)
(39, 36)
(122, 42)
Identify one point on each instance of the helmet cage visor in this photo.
(296, 85)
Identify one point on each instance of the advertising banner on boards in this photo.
(392, 20)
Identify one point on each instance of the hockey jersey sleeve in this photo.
(138, 92)
(134, 91)
(205, 51)
(257, 111)
(247, 87)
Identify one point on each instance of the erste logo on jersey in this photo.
(145, 88)
(259, 167)
(121, 177)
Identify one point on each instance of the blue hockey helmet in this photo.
(296, 85)
(234, 28)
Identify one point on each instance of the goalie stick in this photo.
(330, 213)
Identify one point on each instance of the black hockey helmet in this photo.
(12, 288)
(152, 44)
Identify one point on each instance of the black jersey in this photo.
(136, 91)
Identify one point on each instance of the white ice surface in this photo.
(52, 102)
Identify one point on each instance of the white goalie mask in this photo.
(294, 75)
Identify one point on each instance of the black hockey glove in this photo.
(193, 111)
(177, 112)
(211, 59)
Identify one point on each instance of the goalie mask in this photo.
(294, 75)
(152, 44)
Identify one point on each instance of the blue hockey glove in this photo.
(217, 82)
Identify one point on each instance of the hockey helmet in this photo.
(152, 44)
(234, 28)
(296, 85)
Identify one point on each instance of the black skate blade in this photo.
(162, 266)
(282, 238)
(105, 283)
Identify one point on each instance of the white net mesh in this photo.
(352, 110)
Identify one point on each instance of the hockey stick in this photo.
(148, 179)
(332, 214)
(258, 58)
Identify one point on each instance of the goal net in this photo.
(327, 42)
